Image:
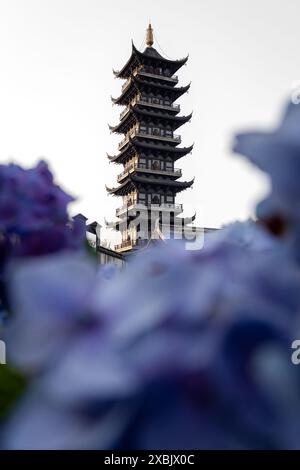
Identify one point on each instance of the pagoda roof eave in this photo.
(178, 152)
(117, 191)
(120, 73)
(149, 53)
(111, 157)
(176, 121)
(135, 82)
(134, 180)
(164, 182)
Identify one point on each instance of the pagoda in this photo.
(149, 182)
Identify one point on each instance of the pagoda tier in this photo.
(157, 118)
(136, 146)
(136, 85)
(151, 58)
(134, 182)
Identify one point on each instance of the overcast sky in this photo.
(56, 59)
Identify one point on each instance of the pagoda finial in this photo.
(149, 37)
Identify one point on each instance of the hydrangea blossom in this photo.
(33, 210)
(277, 153)
(171, 344)
(33, 216)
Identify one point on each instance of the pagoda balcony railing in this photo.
(174, 138)
(171, 107)
(148, 73)
(145, 102)
(155, 74)
(176, 172)
(168, 207)
(127, 244)
(141, 206)
(138, 133)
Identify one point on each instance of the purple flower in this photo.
(30, 201)
(33, 217)
(33, 211)
(172, 353)
(50, 297)
(278, 154)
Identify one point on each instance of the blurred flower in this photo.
(249, 234)
(277, 153)
(50, 299)
(33, 210)
(33, 217)
(29, 199)
(169, 345)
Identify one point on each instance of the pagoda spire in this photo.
(149, 36)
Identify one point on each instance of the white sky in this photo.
(56, 59)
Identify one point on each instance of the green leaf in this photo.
(12, 385)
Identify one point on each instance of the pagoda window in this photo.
(169, 166)
(170, 199)
(169, 133)
(143, 128)
(155, 165)
(156, 131)
(155, 199)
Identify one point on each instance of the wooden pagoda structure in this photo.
(149, 182)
